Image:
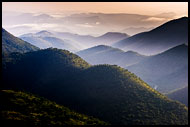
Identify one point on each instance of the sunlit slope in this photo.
(11, 44)
(107, 92)
(24, 109)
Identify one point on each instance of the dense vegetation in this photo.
(107, 92)
(180, 95)
(24, 109)
(11, 44)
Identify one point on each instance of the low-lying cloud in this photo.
(82, 23)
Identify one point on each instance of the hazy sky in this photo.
(146, 8)
(151, 15)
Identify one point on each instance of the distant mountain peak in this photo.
(115, 34)
(44, 16)
(182, 47)
(44, 32)
(105, 47)
(131, 52)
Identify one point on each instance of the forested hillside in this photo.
(107, 92)
(11, 44)
(24, 109)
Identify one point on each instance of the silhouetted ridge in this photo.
(168, 35)
(169, 26)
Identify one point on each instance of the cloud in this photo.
(154, 19)
(97, 23)
(168, 15)
(84, 25)
(35, 26)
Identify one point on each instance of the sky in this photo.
(89, 17)
(144, 8)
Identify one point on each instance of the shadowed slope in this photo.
(180, 95)
(166, 71)
(107, 92)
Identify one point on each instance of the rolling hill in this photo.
(11, 44)
(168, 35)
(166, 71)
(106, 39)
(45, 39)
(180, 95)
(103, 54)
(109, 38)
(76, 41)
(24, 109)
(107, 92)
(135, 30)
(84, 40)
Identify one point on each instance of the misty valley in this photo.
(135, 76)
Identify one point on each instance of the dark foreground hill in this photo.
(24, 109)
(11, 44)
(168, 35)
(107, 92)
(180, 95)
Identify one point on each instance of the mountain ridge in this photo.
(168, 35)
(25, 109)
(11, 43)
(108, 89)
(156, 69)
(103, 54)
(180, 95)
(82, 40)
